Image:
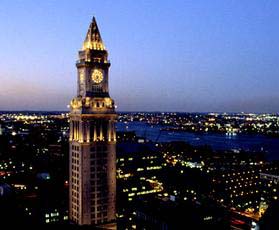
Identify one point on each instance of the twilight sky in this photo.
(175, 55)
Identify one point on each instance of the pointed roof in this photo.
(93, 38)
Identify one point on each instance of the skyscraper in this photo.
(92, 193)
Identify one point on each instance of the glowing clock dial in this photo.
(97, 76)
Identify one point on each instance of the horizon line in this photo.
(141, 111)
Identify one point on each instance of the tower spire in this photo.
(93, 39)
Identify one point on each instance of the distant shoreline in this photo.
(135, 112)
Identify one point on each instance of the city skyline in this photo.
(176, 56)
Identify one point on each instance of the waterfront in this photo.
(215, 140)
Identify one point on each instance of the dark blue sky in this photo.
(174, 55)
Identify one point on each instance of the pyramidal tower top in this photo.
(93, 40)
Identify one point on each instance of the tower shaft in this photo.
(92, 166)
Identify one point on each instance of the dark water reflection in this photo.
(215, 140)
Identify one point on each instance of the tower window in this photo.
(97, 88)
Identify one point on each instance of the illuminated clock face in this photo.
(97, 76)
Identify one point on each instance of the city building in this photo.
(1, 132)
(138, 167)
(164, 213)
(270, 189)
(92, 192)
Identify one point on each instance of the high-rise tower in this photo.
(92, 169)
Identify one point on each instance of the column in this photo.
(114, 131)
(101, 130)
(87, 131)
(80, 133)
(95, 131)
(109, 130)
(74, 130)
(71, 131)
(77, 132)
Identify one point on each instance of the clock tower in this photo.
(92, 193)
